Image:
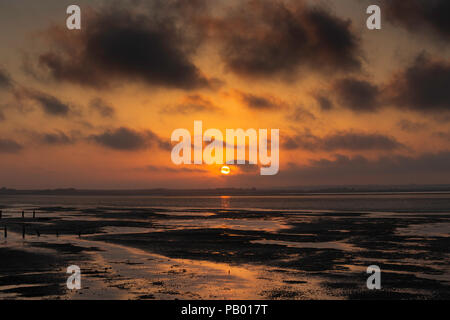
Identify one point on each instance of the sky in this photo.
(96, 107)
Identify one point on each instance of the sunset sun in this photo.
(225, 170)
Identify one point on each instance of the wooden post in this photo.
(6, 232)
(23, 231)
(34, 214)
(57, 233)
(23, 214)
(1, 214)
(38, 233)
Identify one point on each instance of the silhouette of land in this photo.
(233, 191)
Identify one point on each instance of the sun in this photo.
(225, 170)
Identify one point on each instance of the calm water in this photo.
(397, 202)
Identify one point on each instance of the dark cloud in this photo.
(443, 135)
(325, 104)
(9, 146)
(396, 169)
(353, 141)
(51, 105)
(255, 38)
(192, 104)
(424, 86)
(56, 138)
(439, 162)
(258, 102)
(48, 103)
(26, 99)
(431, 16)
(126, 139)
(411, 126)
(300, 114)
(360, 141)
(357, 95)
(5, 80)
(116, 44)
(269, 38)
(190, 169)
(247, 168)
(101, 107)
(429, 168)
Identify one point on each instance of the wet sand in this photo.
(151, 253)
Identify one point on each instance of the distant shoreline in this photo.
(329, 190)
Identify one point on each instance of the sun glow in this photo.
(225, 170)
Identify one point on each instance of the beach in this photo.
(226, 247)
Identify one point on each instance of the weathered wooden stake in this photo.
(23, 231)
(23, 214)
(6, 232)
(38, 233)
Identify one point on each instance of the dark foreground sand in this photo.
(144, 253)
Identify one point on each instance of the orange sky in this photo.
(153, 67)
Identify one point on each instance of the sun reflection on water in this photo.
(225, 202)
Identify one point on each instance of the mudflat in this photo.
(127, 252)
